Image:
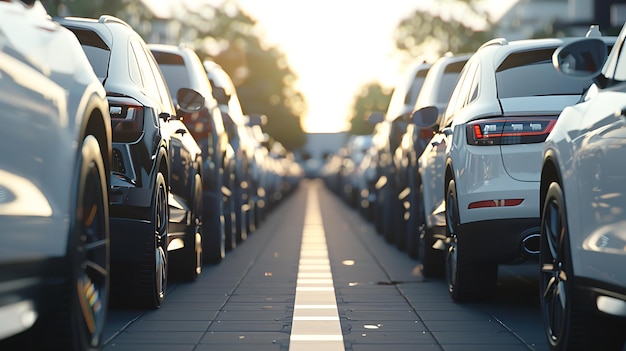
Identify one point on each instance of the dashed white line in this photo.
(315, 323)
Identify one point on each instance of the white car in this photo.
(503, 107)
(583, 222)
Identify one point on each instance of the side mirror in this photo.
(376, 117)
(581, 59)
(189, 100)
(425, 117)
(220, 95)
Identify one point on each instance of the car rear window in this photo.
(173, 68)
(97, 52)
(531, 73)
(448, 81)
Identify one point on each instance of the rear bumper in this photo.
(499, 241)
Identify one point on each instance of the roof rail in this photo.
(112, 19)
(496, 41)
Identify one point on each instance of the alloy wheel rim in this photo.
(91, 282)
(161, 238)
(553, 275)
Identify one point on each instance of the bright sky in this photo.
(335, 47)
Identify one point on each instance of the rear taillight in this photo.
(510, 130)
(126, 119)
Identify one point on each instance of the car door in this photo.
(599, 164)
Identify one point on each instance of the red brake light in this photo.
(509, 131)
(127, 118)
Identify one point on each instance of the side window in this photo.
(619, 61)
(163, 92)
(475, 88)
(133, 66)
(461, 91)
(149, 80)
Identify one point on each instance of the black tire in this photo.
(468, 281)
(152, 280)
(214, 229)
(566, 324)
(230, 218)
(80, 318)
(387, 215)
(186, 263)
(416, 221)
(399, 224)
(377, 210)
(433, 261)
(241, 224)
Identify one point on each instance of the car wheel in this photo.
(467, 281)
(80, 319)
(152, 280)
(241, 224)
(415, 222)
(399, 222)
(230, 218)
(186, 263)
(566, 324)
(387, 215)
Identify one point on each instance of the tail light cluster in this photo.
(509, 130)
(127, 118)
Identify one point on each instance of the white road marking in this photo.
(315, 323)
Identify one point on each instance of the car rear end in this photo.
(497, 156)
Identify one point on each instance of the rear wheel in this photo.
(415, 222)
(80, 319)
(566, 324)
(468, 281)
(152, 280)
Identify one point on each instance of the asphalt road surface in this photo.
(316, 276)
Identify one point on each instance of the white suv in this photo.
(505, 103)
(583, 222)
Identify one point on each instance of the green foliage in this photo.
(372, 98)
(433, 32)
(261, 74)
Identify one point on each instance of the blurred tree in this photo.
(225, 34)
(457, 26)
(372, 98)
(264, 80)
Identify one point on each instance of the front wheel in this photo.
(468, 281)
(566, 324)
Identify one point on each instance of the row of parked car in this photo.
(125, 165)
(510, 154)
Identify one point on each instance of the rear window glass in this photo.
(173, 70)
(414, 90)
(97, 52)
(531, 73)
(448, 80)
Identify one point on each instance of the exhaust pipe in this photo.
(530, 244)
